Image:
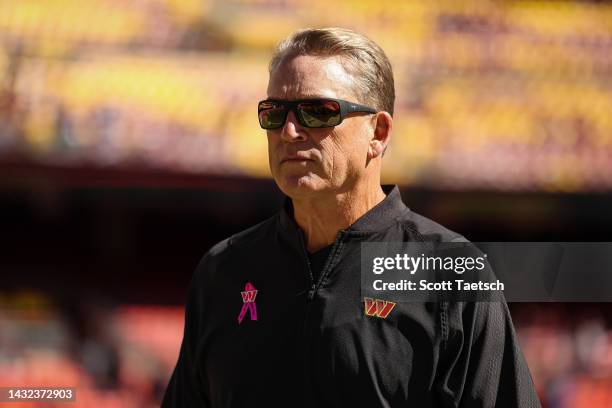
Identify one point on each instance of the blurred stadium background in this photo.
(129, 145)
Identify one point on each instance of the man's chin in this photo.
(301, 185)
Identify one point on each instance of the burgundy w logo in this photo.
(377, 307)
(248, 296)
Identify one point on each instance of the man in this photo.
(275, 316)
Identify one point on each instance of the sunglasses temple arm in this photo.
(354, 107)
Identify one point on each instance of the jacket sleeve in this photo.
(185, 386)
(481, 362)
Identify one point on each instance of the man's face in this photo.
(304, 160)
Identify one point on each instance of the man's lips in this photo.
(295, 158)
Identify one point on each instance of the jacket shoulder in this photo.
(244, 238)
(429, 229)
(255, 234)
(233, 249)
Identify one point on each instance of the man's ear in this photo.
(383, 125)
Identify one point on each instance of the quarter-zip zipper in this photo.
(337, 246)
(314, 286)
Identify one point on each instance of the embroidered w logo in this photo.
(377, 307)
(248, 296)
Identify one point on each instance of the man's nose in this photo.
(292, 131)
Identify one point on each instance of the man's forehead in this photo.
(307, 76)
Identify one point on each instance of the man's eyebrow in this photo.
(313, 96)
(305, 96)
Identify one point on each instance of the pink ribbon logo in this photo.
(248, 299)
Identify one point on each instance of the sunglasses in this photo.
(311, 113)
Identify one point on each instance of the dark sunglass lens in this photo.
(320, 113)
(271, 115)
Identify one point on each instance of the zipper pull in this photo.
(312, 291)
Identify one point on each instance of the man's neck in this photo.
(321, 217)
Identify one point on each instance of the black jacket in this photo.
(312, 344)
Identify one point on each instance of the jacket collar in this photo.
(378, 218)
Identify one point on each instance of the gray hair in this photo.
(361, 57)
